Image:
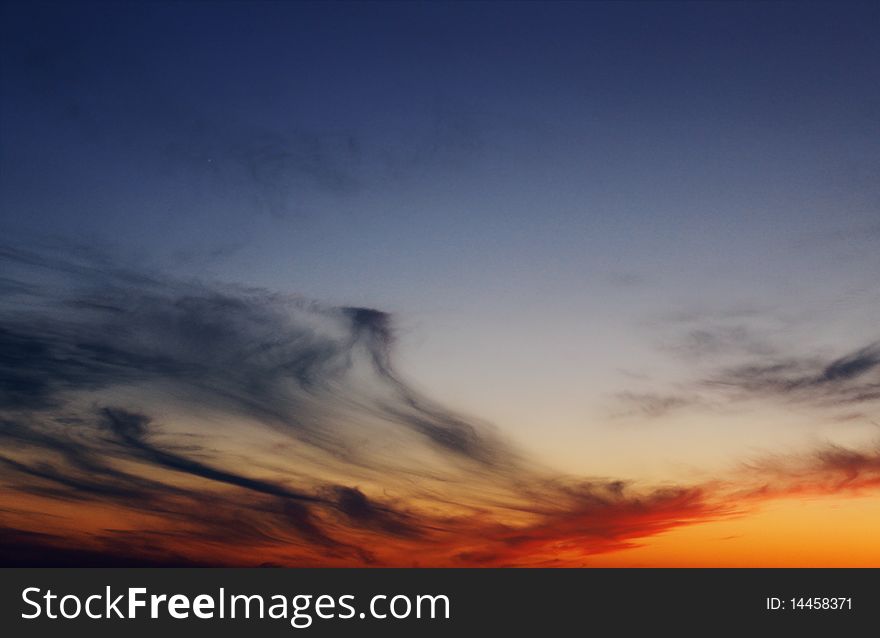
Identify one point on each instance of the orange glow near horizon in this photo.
(825, 531)
(820, 530)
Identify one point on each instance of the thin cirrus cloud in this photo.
(150, 421)
(653, 404)
(728, 363)
(850, 379)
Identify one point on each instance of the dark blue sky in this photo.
(529, 187)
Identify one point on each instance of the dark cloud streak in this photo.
(850, 379)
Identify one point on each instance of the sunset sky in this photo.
(440, 284)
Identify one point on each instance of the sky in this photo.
(474, 283)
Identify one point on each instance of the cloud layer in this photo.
(147, 420)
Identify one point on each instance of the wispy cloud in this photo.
(730, 359)
(652, 404)
(853, 378)
(101, 364)
(830, 469)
